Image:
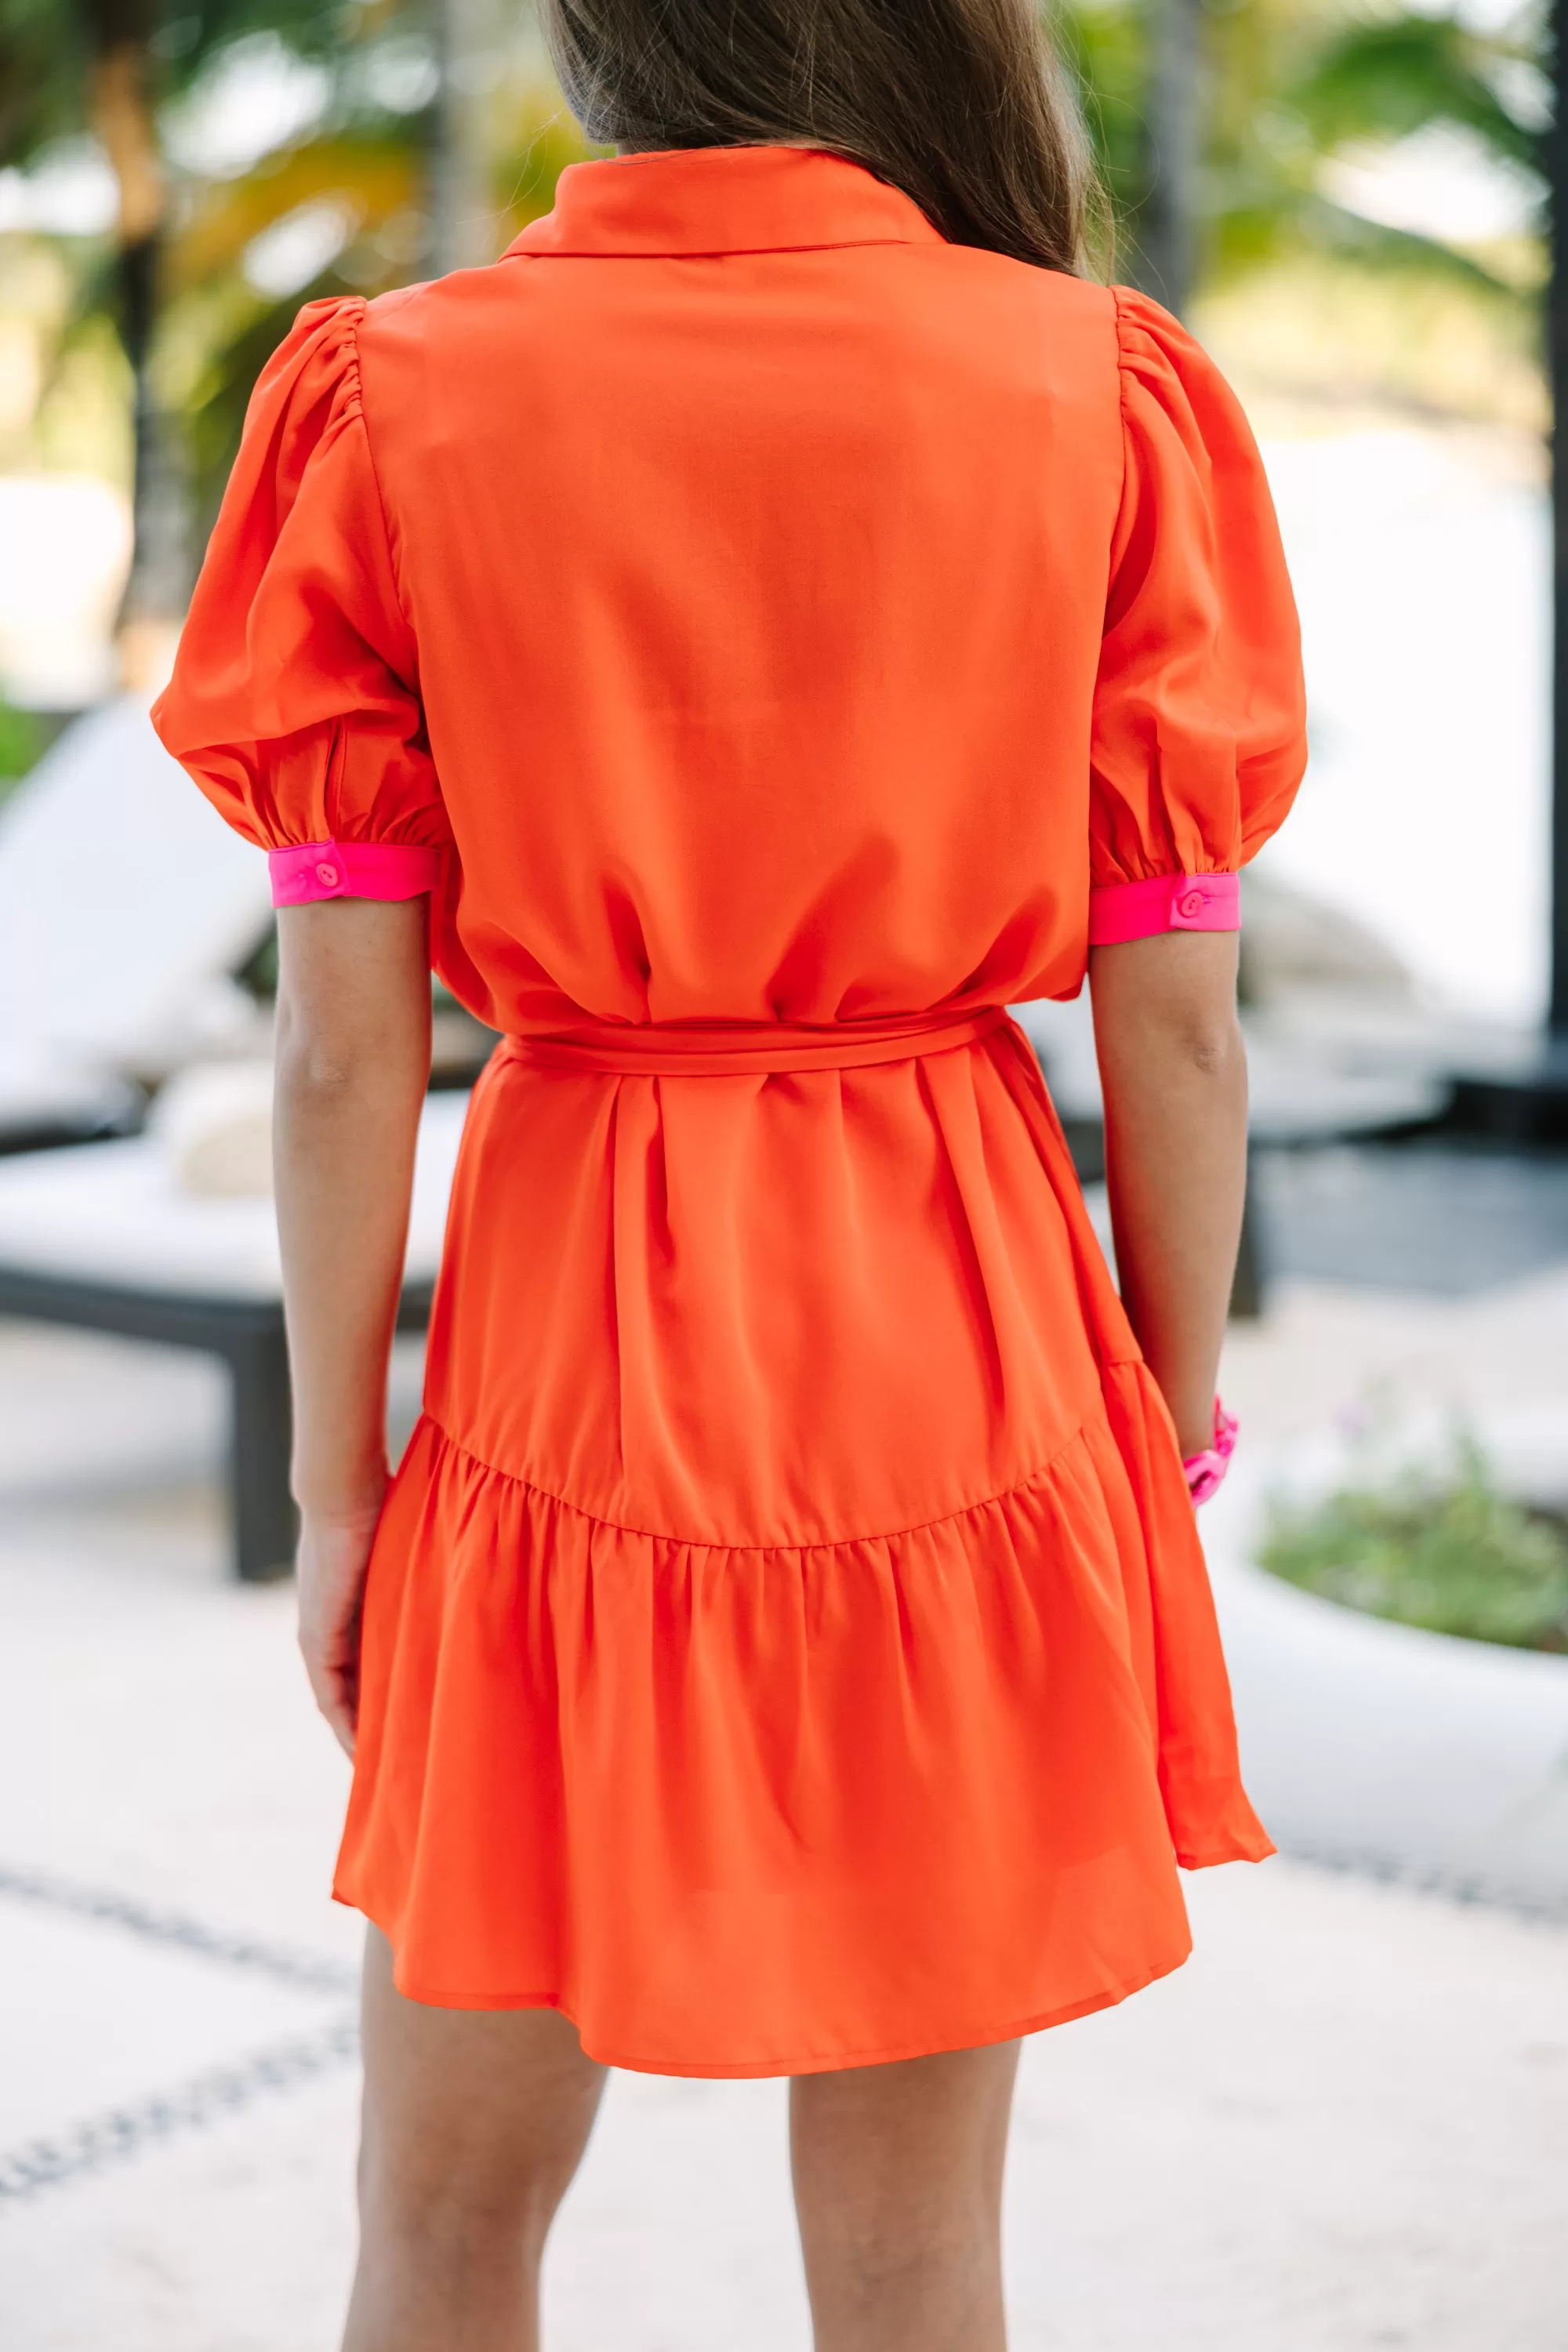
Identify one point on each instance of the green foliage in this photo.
(1447, 1550)
(1105, 47)
(21, 743)
(1286, 85)
(1396, 75)
(43, 70)
(47, 48)
(366, 155)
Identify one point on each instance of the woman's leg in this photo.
(898, 2184)
(473, 2124)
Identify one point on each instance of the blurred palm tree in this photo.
(406, 139)
(414, 134)
(372, 196)
(103, 65)
(1216, 119)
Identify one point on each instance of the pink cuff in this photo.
(351, 869)
(1169, 902)
(1204, 1471)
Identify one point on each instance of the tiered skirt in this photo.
(771, 1807)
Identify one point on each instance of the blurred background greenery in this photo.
(177, 176)
(178, 179)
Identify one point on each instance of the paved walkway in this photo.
(1343, 2124)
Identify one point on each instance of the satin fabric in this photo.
(787, 1642)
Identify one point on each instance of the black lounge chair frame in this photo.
(247, 1335)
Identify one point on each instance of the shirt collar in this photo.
(699, 200)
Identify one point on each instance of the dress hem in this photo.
(966, 2038)
(1259, 1849)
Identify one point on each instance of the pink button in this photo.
(1193, 904)
(329, 877)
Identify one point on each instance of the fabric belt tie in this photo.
(710, 1049)
(715, 1049)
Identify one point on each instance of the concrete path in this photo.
(1343, 2124)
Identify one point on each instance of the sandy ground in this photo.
(1343, 2124)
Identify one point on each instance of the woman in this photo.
(778, 615)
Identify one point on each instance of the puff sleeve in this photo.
(1199, 731)
(294, 701)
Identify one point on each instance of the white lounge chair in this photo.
(126, 906)
(105, 1238)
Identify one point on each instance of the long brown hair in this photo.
(961, 104)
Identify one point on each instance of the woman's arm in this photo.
(1173, 1073)
(353, 1060)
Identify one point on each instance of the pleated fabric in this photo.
(787, 1643)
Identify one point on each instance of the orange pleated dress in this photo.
(771, 632)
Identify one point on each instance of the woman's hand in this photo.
(334, 1555)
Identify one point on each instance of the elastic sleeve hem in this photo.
(351, 869)
(1168, 902)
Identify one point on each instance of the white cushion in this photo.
(116, 1213)
(125, 901)
(213, 1119)
(38, 1090)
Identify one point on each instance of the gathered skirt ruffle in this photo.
(772, 1810)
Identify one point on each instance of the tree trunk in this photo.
(1168, 224)
(461, 229)
(159, 585)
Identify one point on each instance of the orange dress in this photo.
(764, 623)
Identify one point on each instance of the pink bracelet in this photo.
(1205, 1471)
